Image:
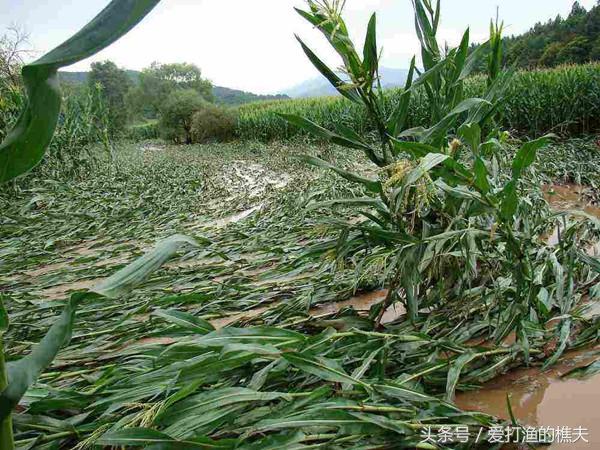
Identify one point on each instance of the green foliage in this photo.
(176, 115)
(144, 131)
(159, 81)
(213, 123)
(114, 84)
(25, 146)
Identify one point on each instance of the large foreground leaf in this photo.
(26, 144)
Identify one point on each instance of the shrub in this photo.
(213, 123)
(176, 115)
(144, 131)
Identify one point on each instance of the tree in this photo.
(176, 115)
(158, 82)
(115, 84)
(13, 49)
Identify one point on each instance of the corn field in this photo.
(337, 293)
(565, 101)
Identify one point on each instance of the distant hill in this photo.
(223, 95)
(319, 87)
(574, 39)
(232, 97)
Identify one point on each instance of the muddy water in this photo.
(543, 399)
(570, 197)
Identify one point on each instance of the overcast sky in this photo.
(249, 44)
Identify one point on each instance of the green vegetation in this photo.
(114, 84)
(160, 81)
(213, 123)
(234, 97)
(558, 100)
(232, 337)
(176, 115)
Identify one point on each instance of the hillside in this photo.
(223, 95)
(571, 40)
(320, 87)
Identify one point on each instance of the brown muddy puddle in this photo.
(544, 399)
(570, 197)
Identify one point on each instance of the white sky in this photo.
(250, 45)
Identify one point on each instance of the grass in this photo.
(272, 382)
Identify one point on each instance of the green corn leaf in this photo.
(185, 320)
(510, 201)
(137, 437)
(594, 263)
(427, 163)
(399, 116)
(342, 87)
(372, 185)
(440, 129)
(25, 145)
(454, 373)
(327, 369)
(527, 153)
(323, 133)
(461, 55)
(370, 53)
(563, 340)
(471, 63)
(471, 132)
(404, 393)
(254, 335)
(129, 277)
(415, 149)
(523, 159)
(481, 176)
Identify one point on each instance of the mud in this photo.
(62, 292)
(544, 399)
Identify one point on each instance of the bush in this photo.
(143, 132)
(213, 123)
(176, 115)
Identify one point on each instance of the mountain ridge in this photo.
(320, 86)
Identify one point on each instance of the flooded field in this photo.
(545, 399)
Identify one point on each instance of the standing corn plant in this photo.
(23, 148)
(438, 218)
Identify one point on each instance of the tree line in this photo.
(574, 39)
